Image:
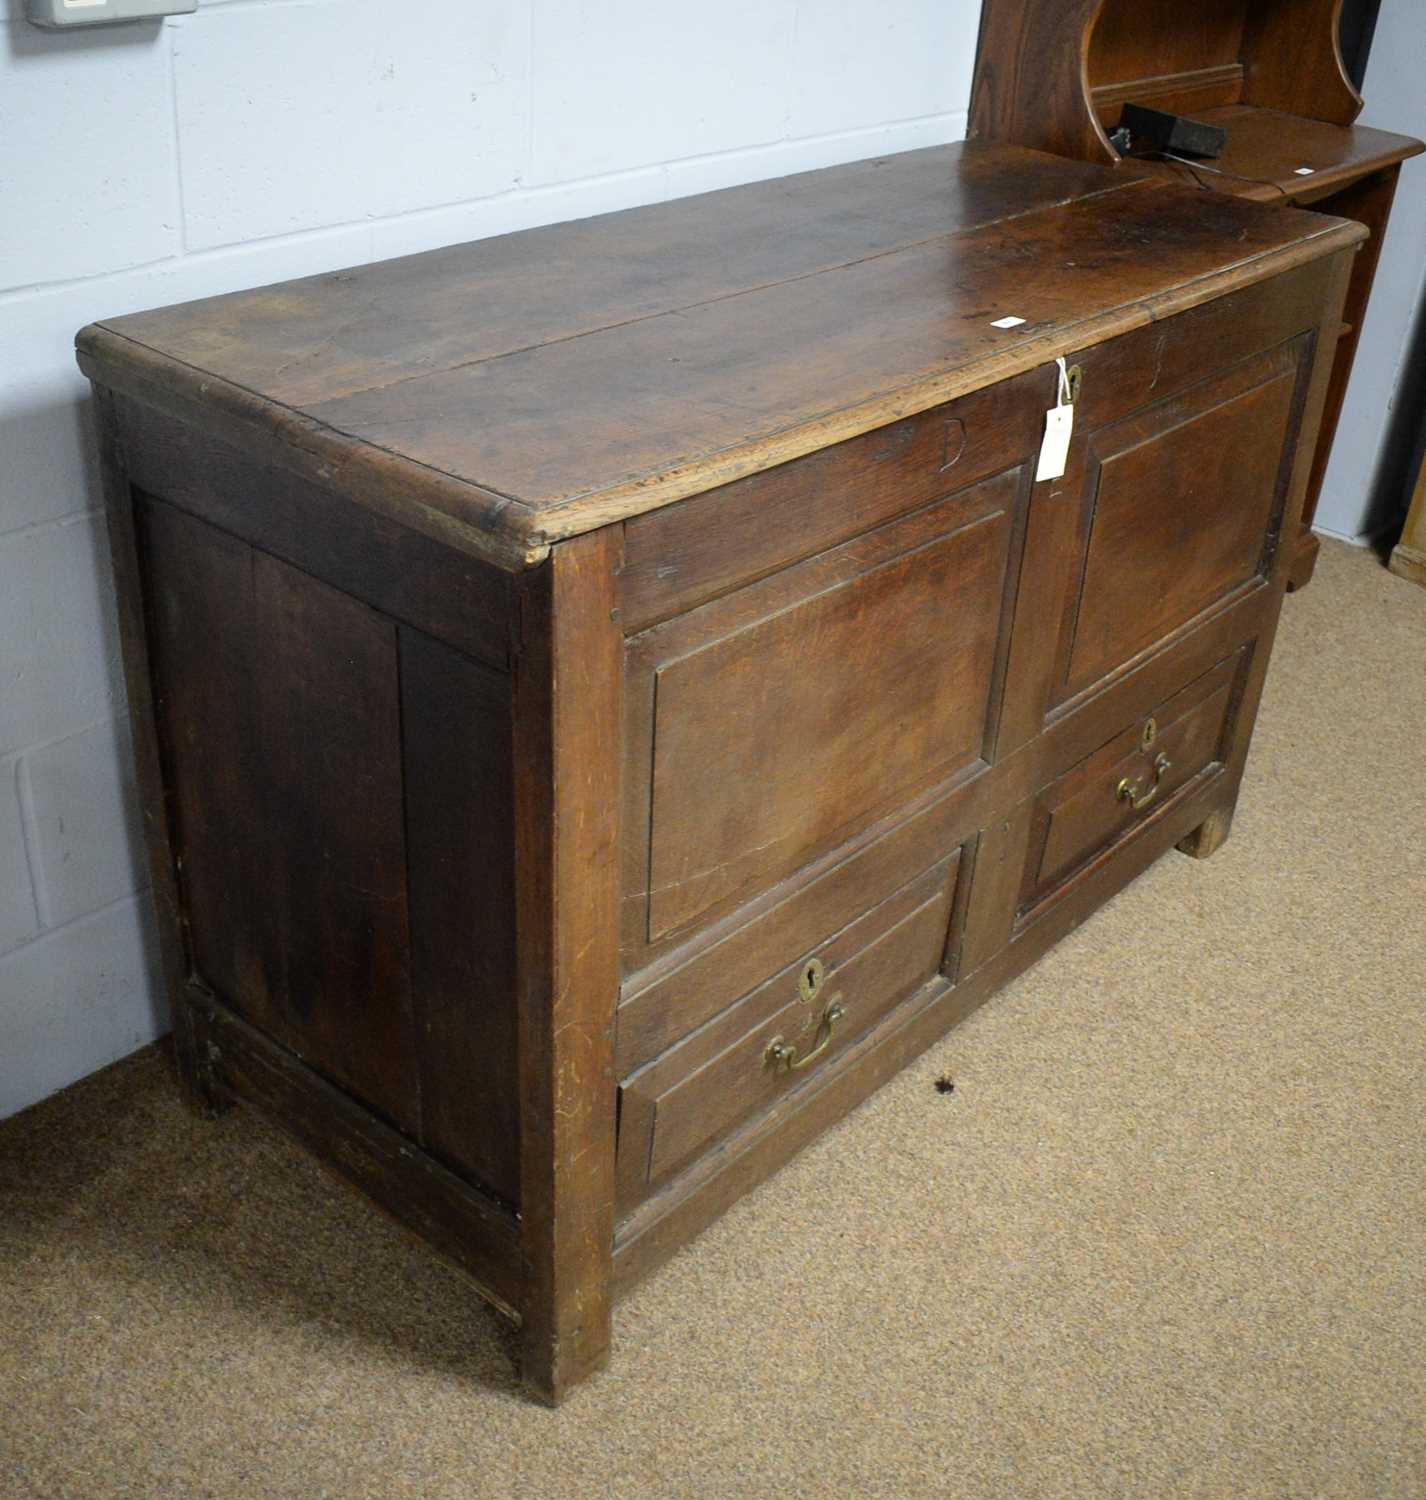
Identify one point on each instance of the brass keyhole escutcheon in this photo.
(1073, 378)
(1150, 734)
(809, 981)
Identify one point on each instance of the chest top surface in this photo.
(537, 385)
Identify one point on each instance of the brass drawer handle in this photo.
(780, 1055)
(1138, 799)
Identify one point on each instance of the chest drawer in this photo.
(1112, 794)
(661, 1006)
(781, 1034)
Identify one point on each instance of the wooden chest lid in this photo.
(510, 392)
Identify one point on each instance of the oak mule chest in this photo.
(607, 696)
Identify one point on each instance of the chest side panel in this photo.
(338, 790)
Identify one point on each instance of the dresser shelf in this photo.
(1267, 150)
(1056, 74)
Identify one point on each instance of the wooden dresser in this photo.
(608, 696)
(1056, 74)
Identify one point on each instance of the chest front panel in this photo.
(759, 742)
(934, 668)
(1181, 506)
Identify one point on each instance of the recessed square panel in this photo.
(1183, 495)
(843, 699)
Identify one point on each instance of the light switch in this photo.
(60, 15)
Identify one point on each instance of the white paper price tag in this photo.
(1054, 451)
(1059, 428)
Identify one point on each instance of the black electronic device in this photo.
(1155, 130)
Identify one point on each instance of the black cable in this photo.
(1195, 167)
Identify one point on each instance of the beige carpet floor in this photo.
(1167, 1237)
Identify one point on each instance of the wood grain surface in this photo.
(496, 889)
(568, 707)
(594, 382)
(1267, 148)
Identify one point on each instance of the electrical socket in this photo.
(62, 15)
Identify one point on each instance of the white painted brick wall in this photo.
(19, 916)
(296, 117)
(58, 672)
(262, 139)
(84, 836)
(75, 999)
(88, 157)
(688, 81)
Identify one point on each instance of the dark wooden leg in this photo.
(1210, 835)
(569, 725)
(1304, 564)
(189, 1050)
(1408, 563)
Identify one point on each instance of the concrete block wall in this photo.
(258, 140)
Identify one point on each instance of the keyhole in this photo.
(809, 981)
